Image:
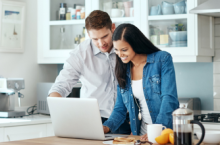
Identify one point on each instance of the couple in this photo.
(144, 74)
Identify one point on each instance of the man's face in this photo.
(102, 38)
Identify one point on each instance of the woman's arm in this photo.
(168, 92)
(118, 115)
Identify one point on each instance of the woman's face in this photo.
(124, 50)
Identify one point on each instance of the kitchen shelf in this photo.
(122, 19)
(67, 22)
(167, 17)
(11, 21)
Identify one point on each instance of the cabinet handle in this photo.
(8, 138)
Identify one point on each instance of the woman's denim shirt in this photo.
(159, 85)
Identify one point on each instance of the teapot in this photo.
(183, 127)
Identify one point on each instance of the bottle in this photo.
(83, 35)
(82, 13)
(78, 9)
(68, 16)
(73, 14)
(63, 11)
(63, 43)
(78, 16)
(76, 41)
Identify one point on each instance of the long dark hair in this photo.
(139, 43)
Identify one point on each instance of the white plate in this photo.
(110, 142)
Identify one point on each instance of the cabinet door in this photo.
(171, 27)
(50, 131)
(24, 132)
(56, 38)
(1, 134)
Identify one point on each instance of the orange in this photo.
(162, 139)
(167, 131)
(171, 138)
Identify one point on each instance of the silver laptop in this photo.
(77, 118)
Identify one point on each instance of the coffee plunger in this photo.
(183, 127)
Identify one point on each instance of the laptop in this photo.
(77, 118)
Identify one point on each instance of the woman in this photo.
(147, 85)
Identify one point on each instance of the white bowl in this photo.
(210, 136)
(178, 35)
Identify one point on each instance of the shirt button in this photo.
(133, 119)
(134, 131)
(144, 87)
(131, 94)
(146, 99)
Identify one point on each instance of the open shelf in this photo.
(122, 19)
(67, 22)
(167, 17)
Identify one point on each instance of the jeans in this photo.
(123, 129)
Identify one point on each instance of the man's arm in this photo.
(68, 77)
(55, 94)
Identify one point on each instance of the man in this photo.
(93, 63)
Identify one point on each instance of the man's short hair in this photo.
(97, 20)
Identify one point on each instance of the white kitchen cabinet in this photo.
(196, 46)
(199, 29)
(49, 27)
(1, 134)
(24, 132)
(50, 131)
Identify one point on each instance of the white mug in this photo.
(131, 12)
(153, 131)
(117, 13)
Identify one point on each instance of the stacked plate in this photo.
(179, 44)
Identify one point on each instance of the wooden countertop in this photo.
(58, 141)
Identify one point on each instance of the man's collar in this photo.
(97, 51)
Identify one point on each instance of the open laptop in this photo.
(77, 118)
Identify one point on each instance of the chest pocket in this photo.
(155, 83)
(125, 96)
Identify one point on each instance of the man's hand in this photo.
(144, 137)
(55, 94)
(106, 129)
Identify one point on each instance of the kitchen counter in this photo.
(26, 120)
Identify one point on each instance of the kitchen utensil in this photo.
(168, 10)
(179, 9)
(183, 127)
(178, 35)
(117, 13)
(153, 131)
(127, 6)
(210, 137)
(155, 10)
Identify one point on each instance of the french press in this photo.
(183, 127)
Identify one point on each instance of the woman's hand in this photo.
(106, 129)
(144, 137)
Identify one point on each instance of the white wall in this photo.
(24, 65)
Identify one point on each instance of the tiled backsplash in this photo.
(216, 68)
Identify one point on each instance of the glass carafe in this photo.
(183, 127)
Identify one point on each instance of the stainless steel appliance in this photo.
(191, 103)
(7, 97)
(42, 94)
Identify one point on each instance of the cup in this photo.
(131, 12)
(153, 131)
(179, 9)
(117, 13)
(167, 10)
(155, 10)
(107, 6)
(127, 6)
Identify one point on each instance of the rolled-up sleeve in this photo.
(168, 93)
(69, 75)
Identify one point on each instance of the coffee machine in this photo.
(8, 89)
